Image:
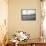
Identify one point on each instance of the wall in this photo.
(14, 18)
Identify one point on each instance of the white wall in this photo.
(14, 18)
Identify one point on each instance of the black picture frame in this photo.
(28, 14)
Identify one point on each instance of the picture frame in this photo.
(28, 14)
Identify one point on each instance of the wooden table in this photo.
(32, 42)
(10, 44)
(35, 42)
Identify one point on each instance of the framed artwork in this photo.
(28, 14)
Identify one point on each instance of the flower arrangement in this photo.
(21, 36)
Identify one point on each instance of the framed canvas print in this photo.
(28, 14)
